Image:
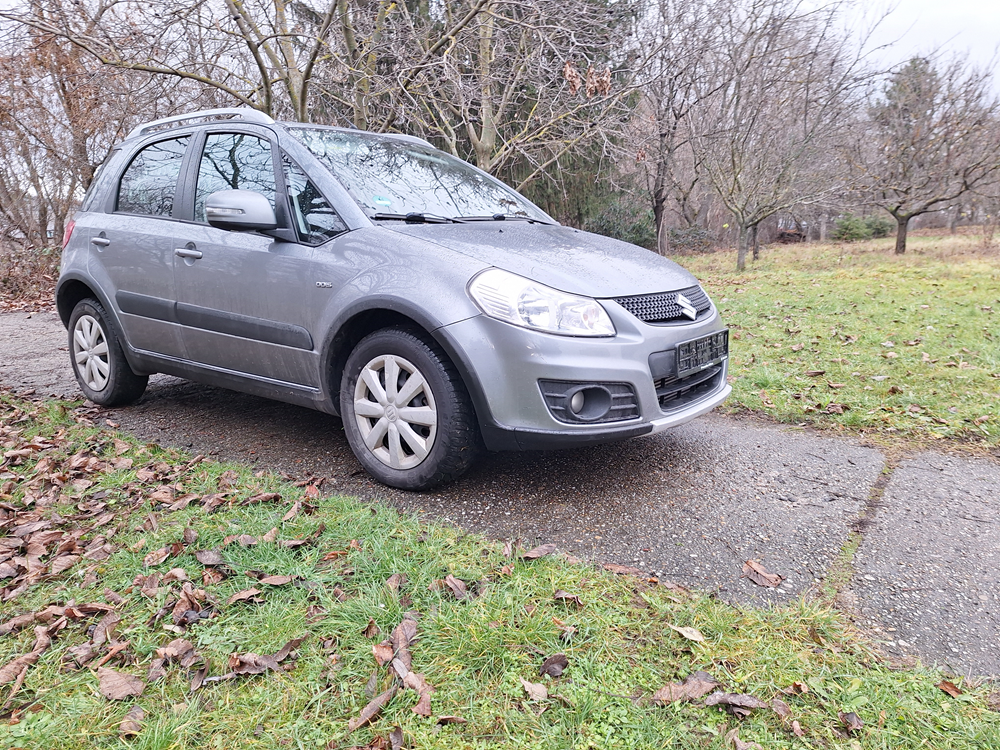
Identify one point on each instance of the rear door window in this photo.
(150, 182)
(234, 161)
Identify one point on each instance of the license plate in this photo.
(698, 354)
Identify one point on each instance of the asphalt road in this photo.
(689, 505)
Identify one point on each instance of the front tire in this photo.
(98, 361)
(406, 412)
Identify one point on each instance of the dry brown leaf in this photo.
(624, 570)
(760, 575)
(63, 563)
(554, 666)
(371, 629)
(14, 669)
(536, 691)
(451, 719)
(118, 686)
(277, 580)
(692, 634)
(394, 581)
(209, 557)
(695, 685)
(540, 551)
(851, 721)
(251, 596)
(458, 587)
(210, 576)
(797, 729)
(132, 723)
(372, 710)
(156, 557)
(271, 535)
(416, 681)
(565, 596)
(402, 636)
(796, 688)
(781, 708)
(815, 373)
(383, 652)
(950, 688)
(739, 744)
(737, 704)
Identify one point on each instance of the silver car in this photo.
(372, 276)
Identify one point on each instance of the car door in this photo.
(134, 250)
(247, 303)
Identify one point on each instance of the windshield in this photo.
(389, 176)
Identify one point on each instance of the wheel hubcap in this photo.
(395, 411)
(90, 352)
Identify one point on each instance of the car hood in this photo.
(561, 257)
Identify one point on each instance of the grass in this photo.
(853, 337)
(474, 653)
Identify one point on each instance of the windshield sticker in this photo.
(381, 200)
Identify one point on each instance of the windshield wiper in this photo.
(505, 217)
(418, 218)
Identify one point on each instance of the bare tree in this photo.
(790, 78)
(932, 137)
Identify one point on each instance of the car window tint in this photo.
(314, 217)
(234, 161)
(149, 183)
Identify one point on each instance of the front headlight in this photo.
(522, 302)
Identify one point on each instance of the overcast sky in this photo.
(921, 26)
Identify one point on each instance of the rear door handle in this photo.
(100, 241)
(187, 252)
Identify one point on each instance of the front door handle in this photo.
(100, 241)
(187, 252)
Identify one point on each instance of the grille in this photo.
(663, 307)
(557, 394)
(675, 393)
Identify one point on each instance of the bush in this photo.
(623, 220)
(851, 228)
(690, 240)
(27, 275)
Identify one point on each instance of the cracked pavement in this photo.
(689, 505)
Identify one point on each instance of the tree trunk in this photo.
(823, 221)
(902, 223)
(956, 212)
(755, 241)
(742, 247)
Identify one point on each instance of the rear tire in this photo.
(407, 414)
(98, 361)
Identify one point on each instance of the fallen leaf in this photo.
(692, 634)
(695, 685)
(797, 729)
(781, 708)
(251, 596)
(567, 630)
(210, 576)
(132, 723)
(190, 536)
(540, 551)
(209, 557)
(737, 704)
(451, 719)
(950, 688)
(416, 681)
(277, 580)
(371, 629)
(117, 686)
(395, 581)
(372, 710)
(739, 744)
(458, 587)
(271, 535)
(554, 665)
(624, 570)
(156, 557)
(383, 652)
(760, 575)
(536, 691)
(565, 596)
(851, 721)
(815, 373)
(14, 669)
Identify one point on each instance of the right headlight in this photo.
(528, 304)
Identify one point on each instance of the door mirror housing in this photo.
(240, 211)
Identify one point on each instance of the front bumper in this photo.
(502, 365)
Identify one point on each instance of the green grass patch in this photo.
(62, 469)
(853, 337)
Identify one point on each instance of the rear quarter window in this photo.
(149, 184)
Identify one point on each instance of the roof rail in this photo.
(244, 113)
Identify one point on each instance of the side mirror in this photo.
(240, 211)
